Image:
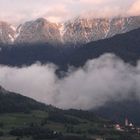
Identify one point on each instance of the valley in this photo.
(37, 121)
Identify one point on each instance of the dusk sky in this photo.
(16, 11)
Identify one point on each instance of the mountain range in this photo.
(125, 46)
(35, 40)
(77, 31)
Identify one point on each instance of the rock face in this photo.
(73, 32)
(82, 30)
(38, 31)
(7, 33)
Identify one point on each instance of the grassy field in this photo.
(15, 120)
(10, 121)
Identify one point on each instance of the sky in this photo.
(17, 11)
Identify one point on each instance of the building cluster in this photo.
(127, 127)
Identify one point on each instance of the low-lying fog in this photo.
(100, 80)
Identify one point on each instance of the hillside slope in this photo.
(13, 102)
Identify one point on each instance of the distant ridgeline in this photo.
(126, 46)
(76, 31)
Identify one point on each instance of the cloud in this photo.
(135, 8)
(54, 10)
(108, 8)
(100, 80)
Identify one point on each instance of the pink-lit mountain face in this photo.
(82, 30)
(38, 31)
(7, 33)
(76, 31)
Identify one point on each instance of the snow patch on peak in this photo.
(18, 30)
(12, 27)
(62, 29)
(11, 38)
(1, 31)
(7, 33)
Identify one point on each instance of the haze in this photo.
(91, 86)
(19, 11)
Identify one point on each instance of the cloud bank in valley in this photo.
(102, 79)
(56, 11)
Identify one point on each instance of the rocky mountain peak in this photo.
(83, 30)
(38, 31)
(79, 30)
(7, 33)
